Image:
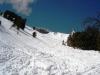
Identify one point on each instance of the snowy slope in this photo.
(21, 54)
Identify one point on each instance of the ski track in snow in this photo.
(21, 54)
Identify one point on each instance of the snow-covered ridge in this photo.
(21, 54)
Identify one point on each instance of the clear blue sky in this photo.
(60, 15)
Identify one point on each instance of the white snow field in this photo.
(21, 54)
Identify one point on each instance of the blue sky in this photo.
(60, 15)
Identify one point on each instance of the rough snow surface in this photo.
(21, 54)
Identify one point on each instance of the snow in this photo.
(21, 54)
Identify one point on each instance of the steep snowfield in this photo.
(21, 54)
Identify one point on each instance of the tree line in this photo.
(89, 37)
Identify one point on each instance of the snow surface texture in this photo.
(21, 54)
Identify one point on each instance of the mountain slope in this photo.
(21, 54)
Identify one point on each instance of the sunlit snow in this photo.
(21, 54)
